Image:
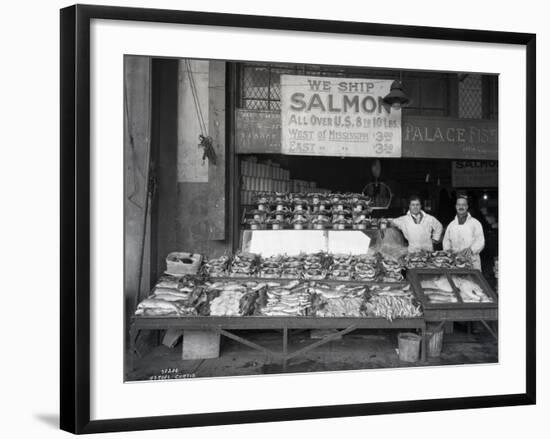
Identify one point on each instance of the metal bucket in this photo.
(409, 347)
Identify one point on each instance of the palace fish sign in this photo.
(450, 138)
(338, 117)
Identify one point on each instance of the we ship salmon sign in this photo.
(338, 117)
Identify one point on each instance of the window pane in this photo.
(255, 82)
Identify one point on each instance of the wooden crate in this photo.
(200, 344)
(176, 267)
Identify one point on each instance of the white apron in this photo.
(459, 237)
(419, 237)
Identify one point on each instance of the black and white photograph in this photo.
(285, 218)
(275, 219)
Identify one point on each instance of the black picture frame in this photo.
(75, 217)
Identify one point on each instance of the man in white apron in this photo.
(420, 229)
(465, 234)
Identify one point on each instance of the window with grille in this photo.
(470, 104)
(260, 87)
(260, 84)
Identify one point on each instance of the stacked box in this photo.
(257, 184)
(247, 197)
(302, 185)
(261, 170)
(264, 177)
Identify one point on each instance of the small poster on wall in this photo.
(475, 173)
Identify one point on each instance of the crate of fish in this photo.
(454, 294)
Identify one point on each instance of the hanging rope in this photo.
(193, 87)
(205, 141)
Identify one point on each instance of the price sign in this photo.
(338, 117)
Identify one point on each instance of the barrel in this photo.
(409, 346)
(435, 342)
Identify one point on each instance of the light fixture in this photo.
(396, 98)
(485, 197)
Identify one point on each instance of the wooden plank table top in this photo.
(271, 322)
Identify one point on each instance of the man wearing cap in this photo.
(464, 234)
(420, 229)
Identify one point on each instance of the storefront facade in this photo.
(448, 134)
